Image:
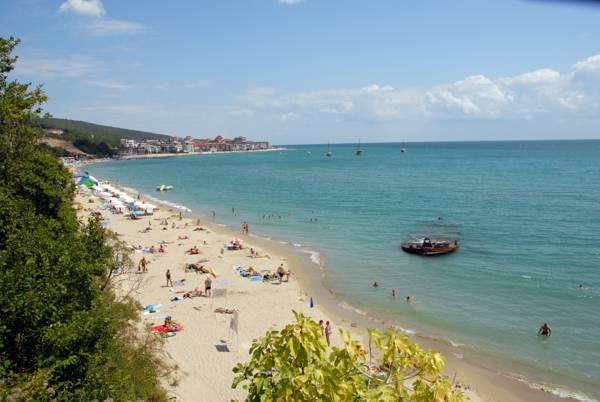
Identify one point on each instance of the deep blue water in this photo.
(527, 215)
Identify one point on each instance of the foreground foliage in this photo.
(295, 364)
(63, 335)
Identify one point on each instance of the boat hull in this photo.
(418, 249)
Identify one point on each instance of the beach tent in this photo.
(87, 180)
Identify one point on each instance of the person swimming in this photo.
(375, 284)
(545, 330)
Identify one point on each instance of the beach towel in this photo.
(256, 278)
(162, 328)
(152, 307)
(179, 283)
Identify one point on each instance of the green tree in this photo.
(295, 364)
(63, 333)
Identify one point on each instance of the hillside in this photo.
(95, 133)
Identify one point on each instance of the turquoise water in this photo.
(527, 215)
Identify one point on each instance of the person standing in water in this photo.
(545, 330)
(394, 293)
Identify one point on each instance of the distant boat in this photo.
(403, 149)
(164, 188)
(329, 153)
(359, 150)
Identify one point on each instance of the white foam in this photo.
(456, 344)
(347, 306)
(297, 244)
(405, 330)
(526, 276)
(314, 256)
(556, 390)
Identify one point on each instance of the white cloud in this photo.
(590, 64)
(90, 8)
(289, 2)
(109, 27)
(112, 85)
(47, 67)
(540, 93)
(101, 25)
(288, 116)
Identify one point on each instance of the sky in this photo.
(316, 71)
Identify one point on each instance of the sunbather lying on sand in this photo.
(171, 325)
(166, 242)
(199, 229)
(193, 250)
(193, 293)
(224, 310)
(248, 272)
(182, 237)
(197, 268)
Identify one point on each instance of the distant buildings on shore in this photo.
(188, 145)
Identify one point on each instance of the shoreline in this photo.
(171, 155)
(484, 380)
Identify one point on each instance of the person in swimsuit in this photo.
(207, 286)
(280, 273)
(545, 330)
(328, 333)
(169, 280)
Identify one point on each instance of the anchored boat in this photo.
(428, 248)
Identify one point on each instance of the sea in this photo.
(526, 215)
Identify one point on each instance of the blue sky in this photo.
(306, 71)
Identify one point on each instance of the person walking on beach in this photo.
(545, 330)
(180, 215)
(328, 333)
(143, 265)
(322, 325)
(169, 280)
(207, 286)
(280, 273)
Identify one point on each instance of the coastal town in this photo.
(176, 145)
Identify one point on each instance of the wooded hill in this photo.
(94, 139)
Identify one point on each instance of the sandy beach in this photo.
(206, 350)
